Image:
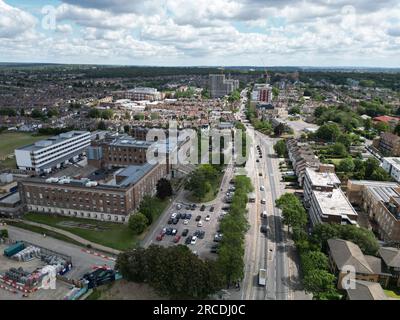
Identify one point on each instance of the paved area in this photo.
(82, 261)
(298, 126)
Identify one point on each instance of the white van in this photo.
(264, 214)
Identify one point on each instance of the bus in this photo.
(262, 277)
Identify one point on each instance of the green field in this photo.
(9, 141)
(117, 236)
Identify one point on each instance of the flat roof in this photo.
(395, 162)
(52, 140)
(334, 203)
(134, 174)
(323, 179)
(383, 193)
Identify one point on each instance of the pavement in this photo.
(298, 126)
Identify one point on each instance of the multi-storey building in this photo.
(381, 201)
(46, 155)
(112, 200)
(139, 94)
(262, 92)
(220, 86)
(392, 166)
(302, 156)
(388, 143)
(325, 201)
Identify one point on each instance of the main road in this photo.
(265, 251)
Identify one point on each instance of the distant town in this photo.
(312, 211)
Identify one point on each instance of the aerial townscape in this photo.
(219, 181)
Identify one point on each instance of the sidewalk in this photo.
(84, 242)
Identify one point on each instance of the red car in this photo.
(177, 239)
(160, 237)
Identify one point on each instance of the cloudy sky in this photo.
(202, 32)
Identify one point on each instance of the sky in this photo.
(322, 33)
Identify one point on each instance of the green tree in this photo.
(382, 127)
(346, 165)
(280, 148)
(397, 130)
(36, 114)
(379, 174)
(328, 132)
(94, 113)
(345, 139)
(107, 114)
(164, 188)
(293, 212)
(295, 110)
(138, 223)
(313, 260)
(338, 149)
(319, 282)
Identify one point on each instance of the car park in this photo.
(198, 218)
(175, 221)
(193, 240)
(185, 232)
(200, 223)
(208, 218)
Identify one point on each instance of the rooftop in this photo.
(395, 162)
(53, 140)
(366, 290)
(133, 174)
(322, 179)
(391, 256)
(334, 203)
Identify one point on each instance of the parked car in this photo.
(262, 188)
(174, 232)
(185, 232)
(188, 207)
(200, 223)
(175, 221)
(169, 231)
(170, 220)
(164, 231)
(160, 237)
(173, 216)
(225, 208)
(178, 216)
(177, 239)
(178, 206)
(198, 218)
(185, 222)
(188, 240)
(194, 240)
(214, 248)
(257, 160)
(212, 209)
(183, 216)
(203, 207)
(263, 201)
(188, 216)
(201, 234)
(208, 218)
(194, 206)
(218, 237)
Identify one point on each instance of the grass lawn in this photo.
(9, 141)
(392, 294)
(117, 236)
(335, 161)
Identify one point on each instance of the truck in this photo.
(14, 249)
(262, 277)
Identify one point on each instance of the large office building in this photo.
(112, 199)
(220, 86)
(141, 93)
(324, 199)
(46, 155)
(262, 92)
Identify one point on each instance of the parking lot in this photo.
(199, 221)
